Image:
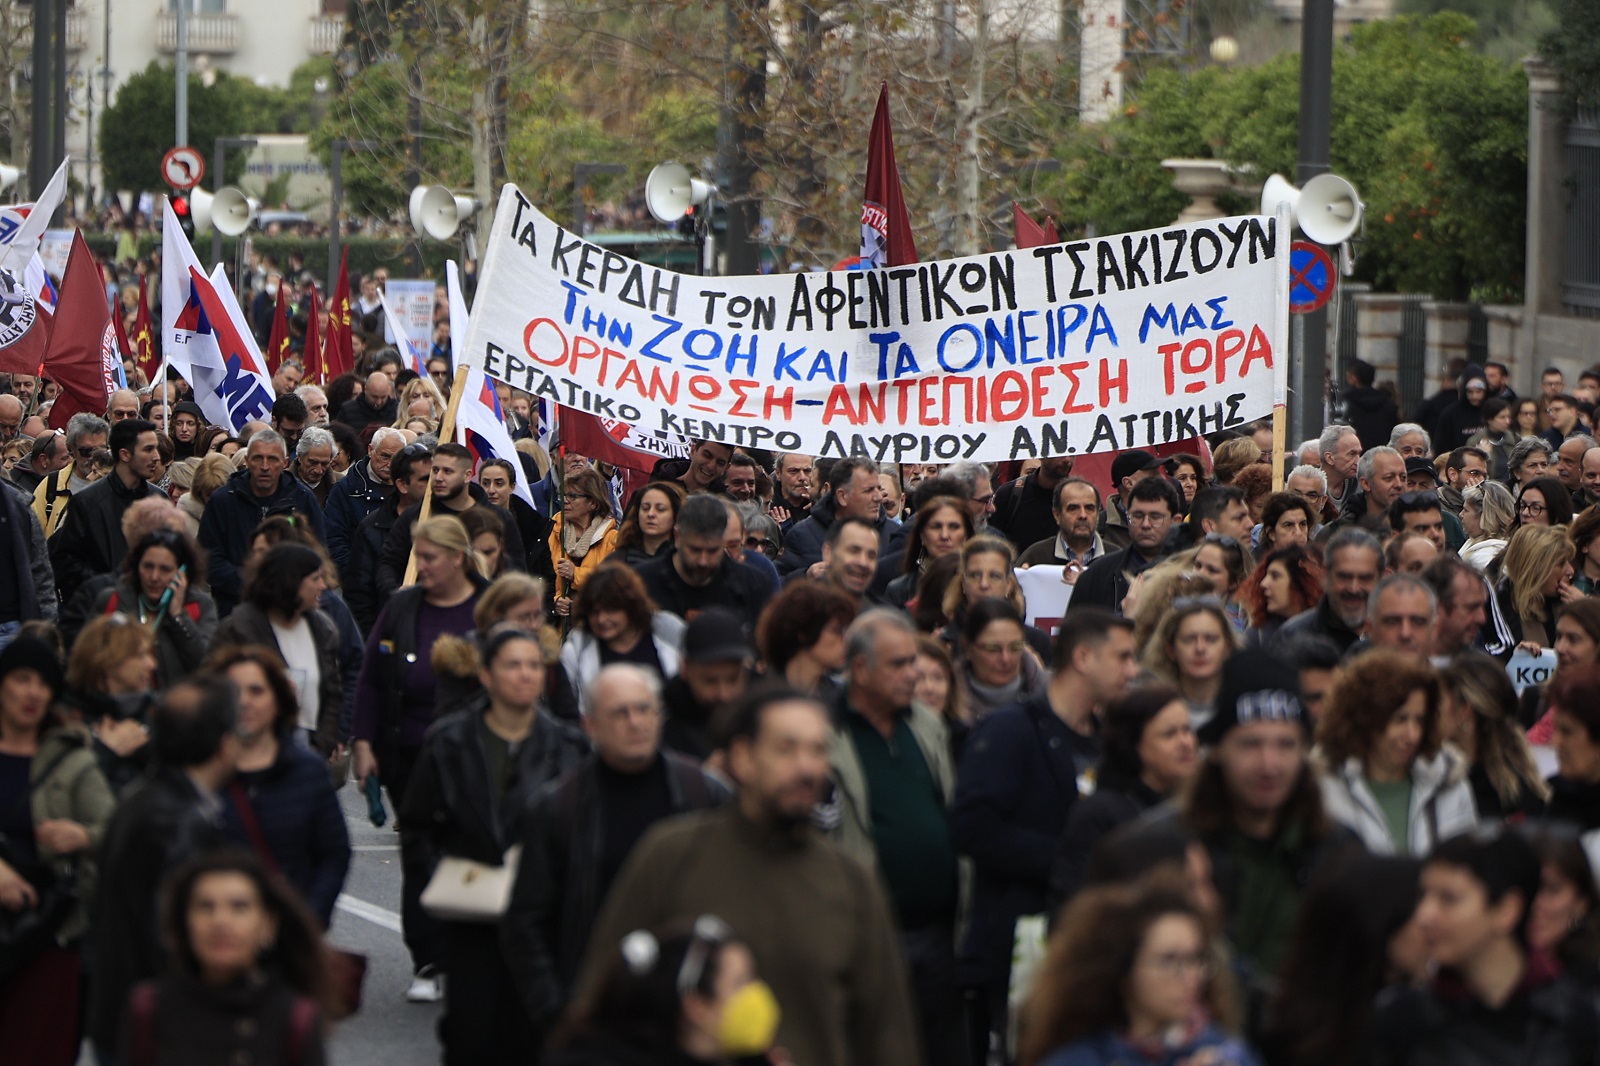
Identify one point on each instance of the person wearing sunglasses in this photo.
(675, 995)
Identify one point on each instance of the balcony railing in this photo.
(77, 26)
(212, 34)
(327, 34)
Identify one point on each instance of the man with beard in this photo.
(699, 574)
(1355, 562)
(816, 918)
(743, 475)
(454, 492)
(1024, 510)
(796, 484)
(714, 672)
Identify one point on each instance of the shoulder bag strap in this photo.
(252, 828)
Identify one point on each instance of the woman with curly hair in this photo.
(1287, 581)
(1386, 773)
(615, 621)
(801, 635)
(1286, 518)
(1188, 649)
(647, 524)
(1130, 978)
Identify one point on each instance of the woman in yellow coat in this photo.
(583, 536)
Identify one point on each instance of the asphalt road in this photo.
(387, 1031)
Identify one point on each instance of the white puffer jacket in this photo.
(1441, 804)
(580, 653)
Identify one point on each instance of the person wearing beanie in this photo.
(1257, 808)
(54, 807)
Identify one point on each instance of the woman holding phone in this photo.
(159, 588)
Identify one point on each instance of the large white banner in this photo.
(1086, 346)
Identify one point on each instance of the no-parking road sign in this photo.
(1312, 277)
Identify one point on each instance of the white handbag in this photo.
(463, 890)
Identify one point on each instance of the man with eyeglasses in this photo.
(1565, 419)
(1018, 782)
(580, 831)
(47, 455)
(1465, 469)
(1309, 481)
(760, 865)
(85, 435)
(313, 462)
(979, 494)
(1152, 508)
(123, 405)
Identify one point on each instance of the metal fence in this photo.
(1413, 351)
(1580, 279)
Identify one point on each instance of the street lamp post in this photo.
(219, 156)
(336, 206)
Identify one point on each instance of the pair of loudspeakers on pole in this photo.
(1328, 210)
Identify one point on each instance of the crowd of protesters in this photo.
(762, 756)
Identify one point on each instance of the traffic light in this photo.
(185, 213)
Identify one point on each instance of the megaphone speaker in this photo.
(9, 176)
(1276, 192)
(232, 211)
(200, 205)
(1330, 209)
(437, 212)
(670, 191)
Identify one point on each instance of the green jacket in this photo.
(76, 791)
(854, 830)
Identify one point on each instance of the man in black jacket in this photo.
(170, 817)
(454, 491)
(580, 830)
(1153, 506)
(90, 541)
(409, 476)
(699, 574)
(377, 403)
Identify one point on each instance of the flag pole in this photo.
(447, 430)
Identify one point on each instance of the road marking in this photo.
(376, 915)
(376, 847)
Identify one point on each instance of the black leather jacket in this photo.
(558, 892)
(1549, 1021)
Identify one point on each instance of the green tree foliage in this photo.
(138, 126)
(1432, 133)
(1574, 51)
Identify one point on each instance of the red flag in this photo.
(124, 345)
(24, 327)
(338, 354)
(316, 371)
(82, 357)
(1029, 233)
(144, 336)
(587, 435)
(886, 238)
(278, 345)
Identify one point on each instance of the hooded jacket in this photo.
(1441, 804)
(67, 784)
(1371, 412)
(232, 515)
(1461, 420)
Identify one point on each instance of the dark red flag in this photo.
(338, 353)
(145, 349)
(278, 345)
(886, 238)
(82, 357)
(311, 361)
(1029, 233)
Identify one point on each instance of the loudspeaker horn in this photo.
(232, 211)
(670, 191)
(1277, 191)
(1330, 209)
(437, 212)
(9, 176)
(200, 204)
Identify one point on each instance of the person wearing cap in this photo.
(1152, 508)
(1257, 807)
(714, 673)
(580, 831)
(1382, 474)
(1422, 476)
(58, 806)
(1127, 470)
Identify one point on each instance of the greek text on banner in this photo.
(1087, 346)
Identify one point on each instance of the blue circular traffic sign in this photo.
(1312, 277)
